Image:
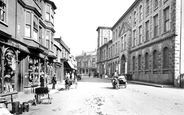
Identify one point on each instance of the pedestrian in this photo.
(89, 74)
(67, 81)
(54, 81)
(41, 81)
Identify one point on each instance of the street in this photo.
(95, 96)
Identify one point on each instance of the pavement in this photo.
(23, 97)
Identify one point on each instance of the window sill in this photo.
(4, 23)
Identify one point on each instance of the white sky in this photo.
(76, 21)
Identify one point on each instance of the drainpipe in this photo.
(180, 40)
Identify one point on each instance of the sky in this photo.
(76, 21)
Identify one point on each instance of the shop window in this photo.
(33, 71)
(9, 71)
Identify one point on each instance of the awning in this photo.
(68, 65)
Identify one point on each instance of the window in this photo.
(52, 41)
(125, 41)
(146, 61)
(134, 38)
(48, 39)
(52, 16)
(28, 25)
(155, 4)
(140, 13)
(3, 12)
(48, 12)
(155, 18)
(140, 34)
(35, 28)
(147, 30)
(139, 62)
(134, 17)
(155, 59)
(122, 43)
(40, 35)
(165, 58)
(133, 63)
(166, 20)
(147, 7)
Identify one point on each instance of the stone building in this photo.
(147, 41)
(26, 43)
(62, 52)
(86, 63)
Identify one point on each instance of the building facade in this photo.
(86, 63)
(27, 43)
(64, 62)
(147, 41)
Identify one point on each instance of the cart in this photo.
(42, 93)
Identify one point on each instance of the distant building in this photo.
(86, 63)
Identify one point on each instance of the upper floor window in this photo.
(140, 34)
(122, 43)
(155, 3)
(166, 19)
(52, 41)
(140, 13)
(48, 12)
(125, 41)
(48, 39)
(134, 38)
(155, 18)
(147, 6)
(3, 11)
(35, 27)
(28, 24)
(147, 31)
(135, 17)
(40, 35)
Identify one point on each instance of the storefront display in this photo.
(9, 70)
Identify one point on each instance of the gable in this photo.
(124, 28)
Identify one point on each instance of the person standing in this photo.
(54, 81)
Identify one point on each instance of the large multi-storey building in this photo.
(147, 42)
(26, 42)
(86, 63)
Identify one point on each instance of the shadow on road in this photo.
(107, 88)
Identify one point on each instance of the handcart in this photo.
(42, 93)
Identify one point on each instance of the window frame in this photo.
(166, 13)
(28, 24)
(155, 25)
(147, 30)
(3, 9)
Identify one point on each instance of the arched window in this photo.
(133, 63)
(140, 13)
(135, 17)
(146, 61)
(165, 58)
(139, 62)
(155, 59)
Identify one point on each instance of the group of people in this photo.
(70, 78)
